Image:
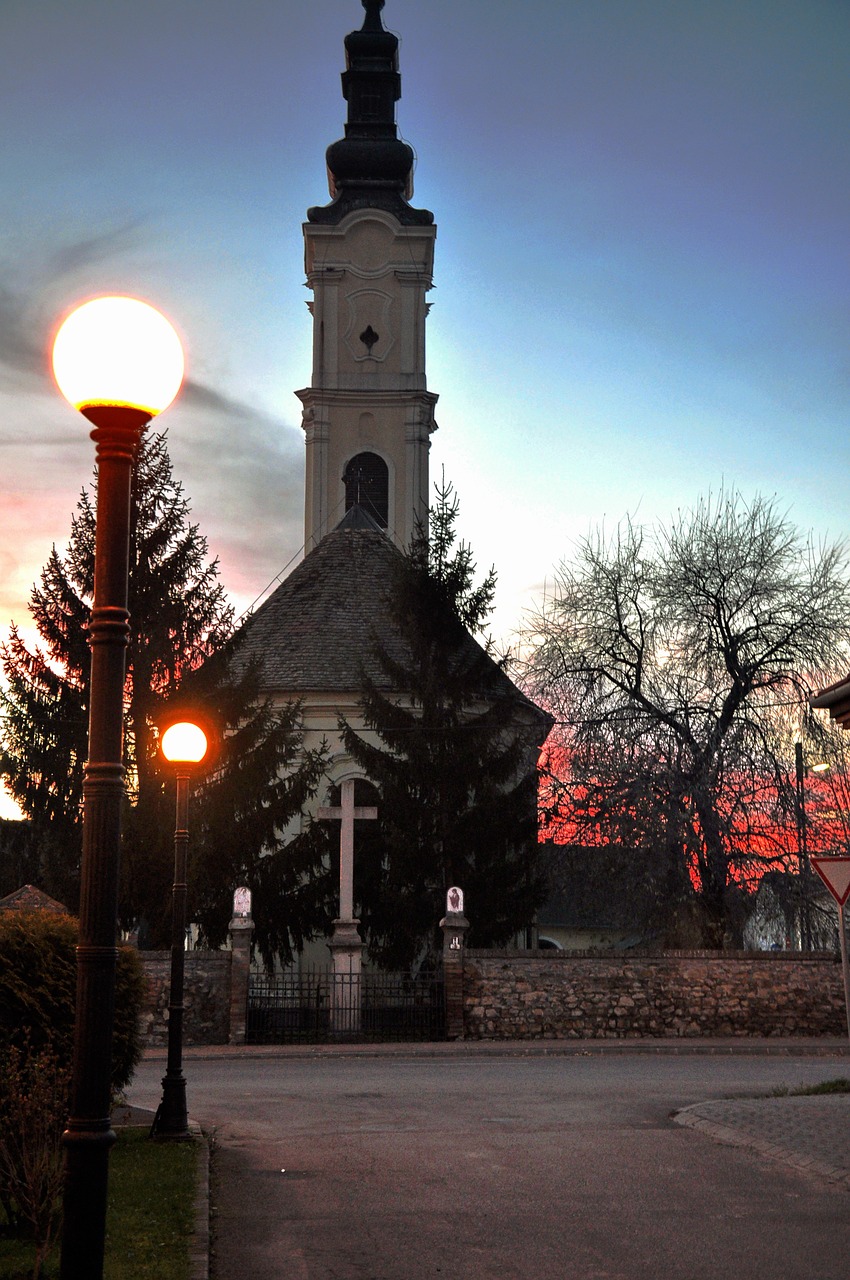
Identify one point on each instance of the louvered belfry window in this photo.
(367, 484)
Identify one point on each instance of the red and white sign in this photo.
(835, 873)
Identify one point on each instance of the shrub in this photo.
(37, 978)
(38, 981)
(130, 988)
(33, 1106)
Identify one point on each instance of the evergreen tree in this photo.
(456, 771)
(18, 855)
(181, 648)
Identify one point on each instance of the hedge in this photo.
(38, 981)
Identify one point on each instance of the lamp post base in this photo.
(172, 1117)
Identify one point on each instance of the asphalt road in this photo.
(563, 1168)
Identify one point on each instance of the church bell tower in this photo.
(368, 415)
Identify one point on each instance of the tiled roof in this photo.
(318, 630)
(28, 898)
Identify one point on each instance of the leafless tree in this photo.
(676, 660)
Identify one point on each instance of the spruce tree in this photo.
(456, 768)
(181, 649)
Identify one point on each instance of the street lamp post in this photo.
(801, 770)
(184, 744)
(119, 362)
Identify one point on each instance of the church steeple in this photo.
(370, 166)
(368, 413)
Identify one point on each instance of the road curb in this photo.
(786, 1047)
(733, 1135)
(199, 1245)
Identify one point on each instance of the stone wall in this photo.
(523, 995)
(206, 996)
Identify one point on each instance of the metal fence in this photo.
(317, 1005)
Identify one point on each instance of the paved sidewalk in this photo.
(808, 1133)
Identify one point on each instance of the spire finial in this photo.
(371, 167)
(373, 15)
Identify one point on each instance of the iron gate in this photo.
(317, 1005)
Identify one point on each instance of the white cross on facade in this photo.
(346, 812)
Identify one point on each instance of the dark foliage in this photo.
(38, 975)
(19, 857)
(182, 649)
(678, 661)
(34, 1088)
(455, 768)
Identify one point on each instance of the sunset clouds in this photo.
(641, 268)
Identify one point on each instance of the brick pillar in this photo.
(454, 925)
(241, 928)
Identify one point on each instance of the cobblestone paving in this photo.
(809, 1133)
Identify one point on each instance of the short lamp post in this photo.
(119, 362)
(184, 744)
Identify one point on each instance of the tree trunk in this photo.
(715, 867)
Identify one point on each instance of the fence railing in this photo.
(317, 1005)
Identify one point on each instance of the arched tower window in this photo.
(367, 484)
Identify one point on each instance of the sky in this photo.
(642, 264)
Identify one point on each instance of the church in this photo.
(368, 417)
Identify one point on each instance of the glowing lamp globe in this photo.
(118, 353)
(184, 743)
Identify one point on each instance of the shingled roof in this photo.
(318, 630)
(28, 898)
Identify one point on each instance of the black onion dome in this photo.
(370, 167)
(369, 160)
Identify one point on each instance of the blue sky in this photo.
(642, 262)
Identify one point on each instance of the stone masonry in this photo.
(521, 995)
(206, 997)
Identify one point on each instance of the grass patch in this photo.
(839, 1085)
(150, 1217)
(151, 1208)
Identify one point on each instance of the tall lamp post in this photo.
(802, 770)
(184, 744)
(119, 362)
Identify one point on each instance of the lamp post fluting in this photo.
(184, 744)
(119, 362)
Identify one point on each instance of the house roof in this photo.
(836, 700)
(28, 898)
(598, 888)
(319, 629)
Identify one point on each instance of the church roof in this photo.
(318, 630)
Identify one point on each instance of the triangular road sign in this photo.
(835, 873)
